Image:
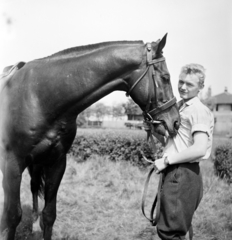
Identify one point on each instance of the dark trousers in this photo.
(181, 194)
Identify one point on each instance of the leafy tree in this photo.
(84, 116)
(118, 111)
(131, 107)
(100, 110)
(88, 112)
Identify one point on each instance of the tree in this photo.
(118, 111)
(100, 110)
(131, 107)
(84, 116)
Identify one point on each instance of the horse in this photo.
(41, 99)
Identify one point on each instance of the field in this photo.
(101, 199)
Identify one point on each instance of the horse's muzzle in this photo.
(176, 125)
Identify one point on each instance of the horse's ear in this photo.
(161, 44)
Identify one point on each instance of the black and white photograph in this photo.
(115, 120)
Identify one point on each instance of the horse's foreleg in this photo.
(12, 211)
(53, 177)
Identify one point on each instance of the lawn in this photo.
(100, 199)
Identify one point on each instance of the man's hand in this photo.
(160, 165)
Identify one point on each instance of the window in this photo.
(224, 108)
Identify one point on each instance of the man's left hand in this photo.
(160, 165)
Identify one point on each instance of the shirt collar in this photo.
(192, 100)
(181, 104)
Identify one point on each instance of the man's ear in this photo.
(201, 86)
(161, 44)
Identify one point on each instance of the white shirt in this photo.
(195, 116)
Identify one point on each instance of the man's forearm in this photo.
(188, 155)
(192, 153)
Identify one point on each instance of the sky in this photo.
(199, 31)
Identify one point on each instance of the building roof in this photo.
(222, 98)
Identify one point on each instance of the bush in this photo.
(223, 161)
(119, 146)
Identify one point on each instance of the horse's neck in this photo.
(95, 74)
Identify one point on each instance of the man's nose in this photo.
(183, 86)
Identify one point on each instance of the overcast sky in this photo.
(199, 31)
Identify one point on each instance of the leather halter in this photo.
(152, 83)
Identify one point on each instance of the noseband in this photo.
(152, 83)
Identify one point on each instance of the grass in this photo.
(100, 199)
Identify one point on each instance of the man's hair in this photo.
(196, 69)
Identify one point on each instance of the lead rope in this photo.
(156, 203)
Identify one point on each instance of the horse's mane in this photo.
(91, 47)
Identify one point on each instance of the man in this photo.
(182, 185)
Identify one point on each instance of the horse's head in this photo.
(151, 89)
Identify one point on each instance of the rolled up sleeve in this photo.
(201, 127)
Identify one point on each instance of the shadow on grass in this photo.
(24, 229)
(149, 233)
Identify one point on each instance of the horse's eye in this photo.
(166, 77)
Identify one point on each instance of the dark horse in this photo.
(40, 101)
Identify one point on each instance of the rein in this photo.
(152, 220)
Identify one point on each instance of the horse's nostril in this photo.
(176, 125)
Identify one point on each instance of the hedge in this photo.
(223, 161)
(119, 146)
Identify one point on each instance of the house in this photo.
(135, 115)
(221, 106)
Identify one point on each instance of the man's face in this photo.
(188, 86)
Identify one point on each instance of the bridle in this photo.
(152, 85)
